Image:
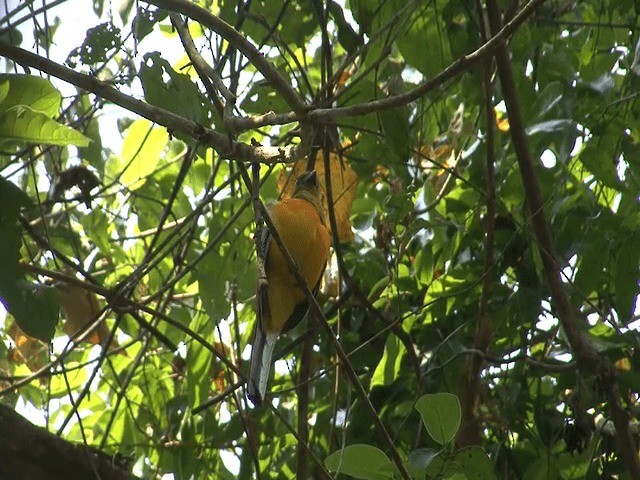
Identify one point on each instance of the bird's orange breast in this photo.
(307, 240)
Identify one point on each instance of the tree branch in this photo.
(302, 388)
(27, 451)
(461, 65)
(589, 361)
(174, 123)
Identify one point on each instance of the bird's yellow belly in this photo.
(307, 240)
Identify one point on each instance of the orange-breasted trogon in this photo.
(281, 303)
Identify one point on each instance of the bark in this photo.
(27, 451)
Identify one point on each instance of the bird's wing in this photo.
(263, 342)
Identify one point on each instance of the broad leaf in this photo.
(626, 277)
(389, 366)
(34, 307)
(21, 124)
(31, 91)
(361, 461)
(141, 152)
(440, 414)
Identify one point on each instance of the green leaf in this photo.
(595, 257)
(34, 307)
(4, 89)
(363, 12)
(178, 95)
(98, 43)
(199, 361)
(145, 20)
(12, 36)
(424, 265)
(389, 366)
(395, 125)
(347, 36)
(22, 124)
(36, 310)
(441, 415)
(263, 98)
(545, 468)
(75, 380)
(295, 21)
(141, 151)
(31, 91)
(550, 126)
(422, 44)
(626, 277)
(94, 153)
(548, 99)
(474, 463)
(600, 163)
(361, 461)
(98, 229)
(211, 275)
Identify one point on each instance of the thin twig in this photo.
(346, 364)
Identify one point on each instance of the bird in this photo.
(281, 303)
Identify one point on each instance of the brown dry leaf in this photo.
(27, 350)
(5, 372)
(217, 370)
(437, 153)
(344, 183)
(81, 308)
(437, 159)
(441, 178)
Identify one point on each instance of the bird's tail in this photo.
(260, 368)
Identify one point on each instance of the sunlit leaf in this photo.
(21, 124)
(178, 95)
(30, 91)
(389, 366)
(141, 151)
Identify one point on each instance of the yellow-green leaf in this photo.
(21, 124)
(141, 151)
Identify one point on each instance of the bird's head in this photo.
(307, 187)
(308, 182)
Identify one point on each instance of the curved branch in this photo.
(174, 123)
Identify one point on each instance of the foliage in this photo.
(27, 106)
(159, 226)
